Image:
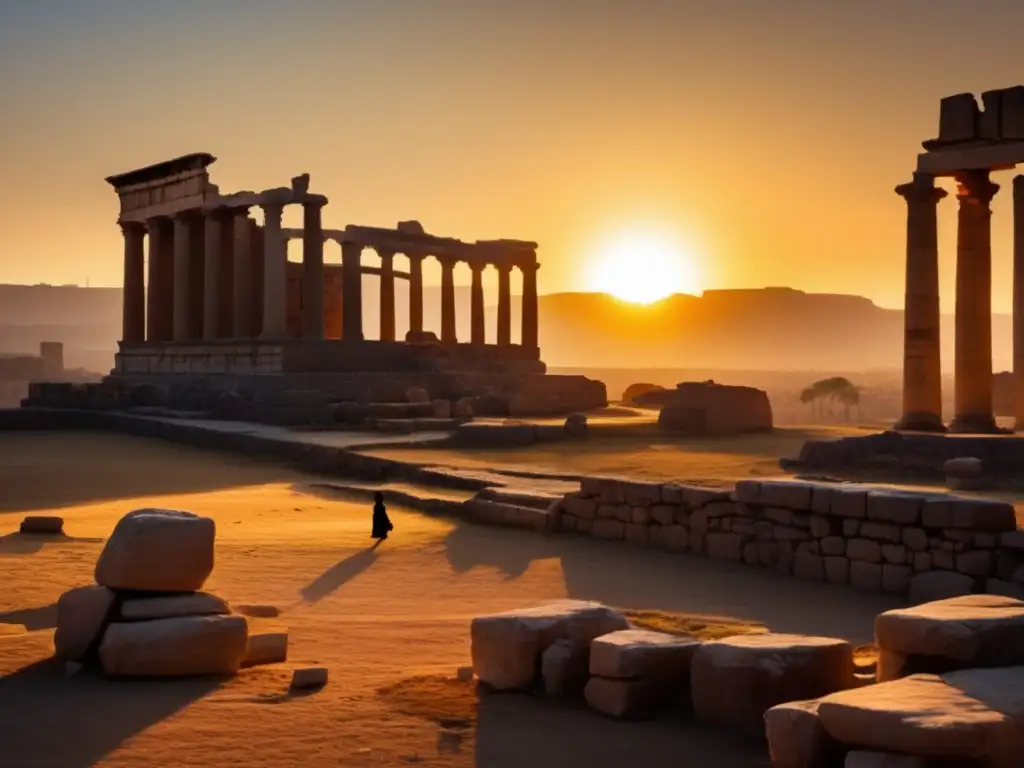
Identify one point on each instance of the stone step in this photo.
(405, 426)
(520, 497)
(509, 515)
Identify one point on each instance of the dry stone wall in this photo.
(872, 538)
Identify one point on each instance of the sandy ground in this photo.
(379, 619)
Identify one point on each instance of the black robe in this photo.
(381, 522)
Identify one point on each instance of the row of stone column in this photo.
(529, 330)
(219, 275)
(922, 371)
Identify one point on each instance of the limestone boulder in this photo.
(309, 677)
(958, 633)
(796, 737)
(623, 698)
(265, 648)
(564, 668)
(735, 680)
(973, 717)
(169, 606)
(506, 648)
(81, 615)
(159, 550)
(643, 653)
(183, 646)
(930, 586)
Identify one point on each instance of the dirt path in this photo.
(376, 618)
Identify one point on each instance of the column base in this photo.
(974, 425)
(920, 422)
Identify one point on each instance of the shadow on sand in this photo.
(14, 544)
(87, 717)
(43, 617)
(338, 574)
(640, 577)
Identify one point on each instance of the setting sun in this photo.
(643, 268)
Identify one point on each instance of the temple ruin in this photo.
(972, 143)
(218, 306)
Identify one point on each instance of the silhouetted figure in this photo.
(381, 522)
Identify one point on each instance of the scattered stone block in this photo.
(309, 677)
(265, 648)
(52, 526)
(923, 715)
(642, 653)
(958, 633)
(734, 681)
(623, 698)
(796, 737)
(958, 118)
(179, 647)
(82, 613)
(564, 668)
(506, 647)
(576, 425)
(166, 607)
(464, 674)
(158, 550)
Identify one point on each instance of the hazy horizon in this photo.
(576, 125)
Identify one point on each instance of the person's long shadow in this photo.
(43, 617)
(338, 574)
(92, 715)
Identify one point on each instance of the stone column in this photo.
(922, 369)
(973, 364)
(133, 311)
(182, 277)
(529, 339)
(448, 301)
(275, 273)
(415, 292)
(387, 295)
(214, 224)
(476, 314)
(351, 292)
(160, 300)
(504, 305)
(313, 268)
(241, 315)
(1018, 301)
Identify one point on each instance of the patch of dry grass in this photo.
(440, 699)
(865, 657)
(701, 627)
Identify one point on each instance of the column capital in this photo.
(528, 266)
(921, 190)
(975, 187)
(132, 227)
(314, 201)
(386, 253)
(477, 267)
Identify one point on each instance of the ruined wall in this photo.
(871, 538)
(706, 408)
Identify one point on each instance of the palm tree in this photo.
(837, 389)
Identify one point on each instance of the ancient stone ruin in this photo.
(946, 689)
(704, 408)
(212, 305)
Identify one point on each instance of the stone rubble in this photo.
(44, 524)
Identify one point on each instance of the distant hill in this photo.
(757, 329)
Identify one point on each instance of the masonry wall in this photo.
(872, 538)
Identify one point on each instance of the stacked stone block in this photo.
(872, 538)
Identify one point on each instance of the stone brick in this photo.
(750, 553)
(764, 530)
(833, 546)
(851, 528)
(768, 553)
(699, 521)
(943, 560)
(937, 513)
(641, 515)
(669, 536)
(579, 506)
(984, 540)
(636, 534)
(744, 527)
(606, 512)
(663, 514)
(922, 561)
(938, 585)
(849, 502)
(590, 486)
(896, 578)
(864, 550)
(609, 529)
(584, 525)
(915, 539)
(821, 526)
(748, 491)
(778, 515)
(696, 542)
(725, 546)
(984, 515)
(808, 566)
(976, 563)
(866, 575)
(954, 534)
(801, 520)
(1012, 540)
(881, 531)
(624, 513)
(671, 493)
(639, 494)
(821, 499)
(696, 496)
(837, 570)
(785, 533)
(719, 509)
(785, 493)
(682, 515)
(786, 554)
(894, 507)
(895, 554)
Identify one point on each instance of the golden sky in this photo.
(765, 135)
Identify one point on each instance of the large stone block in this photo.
(734, 681)
(796, 737)
(927, 716)
(642, 653)
(624, 698)
(669, 536)
(158, 550)
(862, 759)
(791, 494)
(564, 668)
(609, 529)
(180, 647)
(849, 501)
(958, 118)
(82, 613)
(864, 550)
(969, 514)
(894, 507)
(961, 632)
(939, 585)
(506, 648)
(166, 607)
